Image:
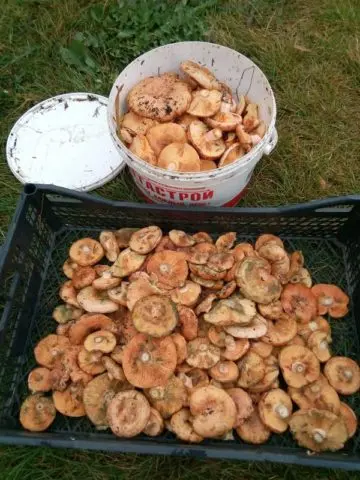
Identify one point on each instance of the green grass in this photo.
(310, 51)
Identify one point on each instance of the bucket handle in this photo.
(272, 142)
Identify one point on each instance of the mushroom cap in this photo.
(155, 424)
(205, 305)
(242, 250)
(202, 75)
(226, 121)
(114, 370)
(227, 290)
(83, 277)
(224, 371)
(202, 237)
(235, 348)
(106, 281)
(169, 398)
(205, 103)
(318, 430)
(101, 340)
(214, 411)
(181, 347)
(188, 322)
(117, 354)
(268, 238)
(251, 117)
(343, 374)
(88, 324)
(203, 271)
(181, 239)
(192, 378)
(140, 288)
(39, 380)
(349, 417)
(187, 295)
(298, 301)
(68, 294)
(217, 336)
(232, 311)
(155, 315)
(279, 260)
(97, 395)
(140, 147)
(50, 350)
(126, 263)
(181, 424)
(211, 284)
(96, 301)
(86, 251)
(330, 299)
(303, 276)
(37, 413)
(225, 242)
(281, 331)
(270, 377)
(252, 430)
(145, 240)
(109, 244)
(317, 324)
(123, 236)
(184, 120)
(251, 369)
(255, 281)
(149, 362)
(136, 124)
(209, 144)
(255, 329)
(170, 268)
(206, 165)
(318, 342)
(69, 267)
(221, 261)
(70, 401)
(64, 313)
(297, 340)
(318, 394)
(161, 98)
(91, 362)
(261, 348)
(128, 413)
(164, 134)
(179, 157)
(275, 409)
(202, 354)
(233, 153)
(165, 244)
(119, 294)
(299, 365)
(243, 403)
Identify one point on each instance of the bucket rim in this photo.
(133, 161)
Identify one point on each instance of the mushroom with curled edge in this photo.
(163, 135)
(226, 121)
(211, 284)
(114, 371)
(205, 305)
(149, 362)
(232, 311)
(83, 277)
(126, 263)
(243, 403)
(270, 377)
(169, 398)
(70, 401)
(179, 157)
(202, 237)
(188, 322)
(278, 259)
(128, 413)
(255, 329)
(275, 409)
(49, 350)
(208, 143)
(109, 244)
(251, 117)
(281, 331)
(299, 365)
(155, 315)
(256, 282)
(266, 238)
(119, 293)
(247, 140)
(318, 342)
(181, 423)
(97, 395)
(205, 103)
(181, 239)
(187, 295)
(86, 251)
(136, 124)
(37, 413)
(203, 271)
(318, 430)
(145, 240)
(65, 313)
(202, 75)
(330, 299)
(214, 411)
(251, 370)
(318, 394)
(87, 324)
(155, 424)
(252, 430)
(161, 98)
(227, 290)
(235, 348)
(231, 155)
(349, 417)
(96, 301)
(123, 236)
(221, 261)
(343, 374)
(303, 277)
(181, 347)
(68, 294)
(241, 105)
(317, 324)
(68, 268)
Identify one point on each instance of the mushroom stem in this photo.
(203, 348)
(282, 411)
(145, 357)
(323, 344)
(348, 374)
(223, 368)
(298, 367)
(230, 342)
(213, 135)
(313, 326)
(319, 435)
(86, 249)
(327, 301)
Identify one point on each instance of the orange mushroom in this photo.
(37, 413)
(169, 268)
(252, 430)
(155, 315)
(188, 322)
(343, 374)
(299, 365)
(169, 398)
(299, 301)
(86, 251)
(330, 299)
(128, 413)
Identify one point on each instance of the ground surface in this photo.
(310, 51)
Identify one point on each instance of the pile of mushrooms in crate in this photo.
(198, 337)
(189, 124)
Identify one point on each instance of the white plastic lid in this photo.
(64, 141)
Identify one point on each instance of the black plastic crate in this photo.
(49, 219)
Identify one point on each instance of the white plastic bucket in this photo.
(221, 187)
